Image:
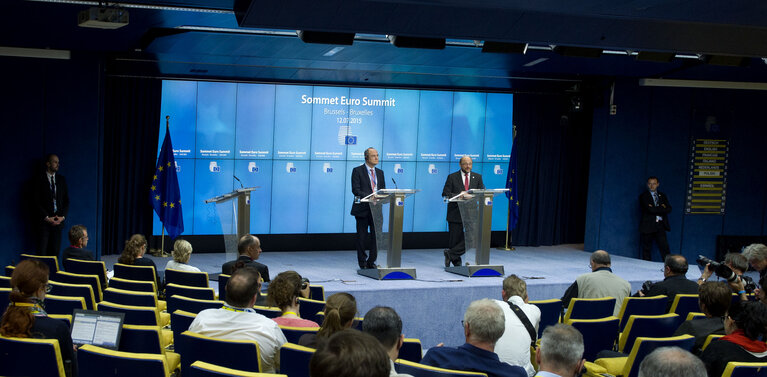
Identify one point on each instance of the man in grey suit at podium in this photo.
(455, 184)
(366, 178)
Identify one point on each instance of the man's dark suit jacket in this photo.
(453, 187)
(672, 286)
(361, 187)
(77, 253)
(226, 268)
(650, 210)
(45, 198)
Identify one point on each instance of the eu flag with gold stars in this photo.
(166, 197)
(511, 184)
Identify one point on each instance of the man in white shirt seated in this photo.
(514, 345)
(238, 321)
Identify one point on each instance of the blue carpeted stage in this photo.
(432, 306)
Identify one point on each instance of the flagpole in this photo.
(506, 247)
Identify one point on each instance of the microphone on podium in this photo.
(395, 183)
(238, 180)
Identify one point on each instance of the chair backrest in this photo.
(598, 334)
(317, 292)
(179, 322)
(694, 315)
(133, 285)
(9, 270)
(685, 303)
(740, 369)
(131, 298)
(551, 311)
(51, 261)
(644, 346)
(5, 282)
(203, 369)
(5, 299)
(292, 334)
(99, 362)
(357, 324)
(134, 315)
(411, 350)
(655, 305)
(191, 305)
(421, 370)
(72, 278)
(187, 278)
(268, 311)
(294, 360)
(131, 272)
(308, 308)
(63, 304)
(191, 292)
(236, 354)
(31, 357)
(67, 318)
(74, 290)
(222, 280)
(590, 308)
(649, 326)
(710, 338)
(87, 267)
(140, 339)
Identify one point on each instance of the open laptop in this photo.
(101, 329)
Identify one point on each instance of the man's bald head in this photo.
(600, 258)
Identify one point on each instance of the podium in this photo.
(233, 211)
(477, 214)
(390, 242)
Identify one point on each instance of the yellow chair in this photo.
(684, 304)
(316, 292)
(51, 261)
(31, 357)
(133, 298)
(269, 311)
(192, 305)
(137, 315)
(5, 282)
(237, 354)
(710, 339)
(294, 360)
(655, 305)
(694, 315)
(187, 278)
(147, 339)
(589, 308)
(203, 369)
(292, 334)
(648, 326)
(74, 290)
(421, 370)
(191, 292)
(132, 272)
(72, 278)
(411, 350)
(629, 366)
(598, 334)
(133, 285)
(99, 362)
(551, 313)
(64, 317)
(180, 322)
(63, 304)
(4, 299)
(740, 369)
(87, 267)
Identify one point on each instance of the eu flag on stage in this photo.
(511, 184)
(166, 198)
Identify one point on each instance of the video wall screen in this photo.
(298, 144)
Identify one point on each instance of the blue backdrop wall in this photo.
(49, 106)
(650, 135)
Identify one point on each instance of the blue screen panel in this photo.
(400, 135)
(179, 102)
(350, 224)
(468, 125)
(429, 209)
(435, 116)
(211, 178)
(498, 126)
(255, 121)
(216, 109)
(330, 124)
(185, 174)
(257, 173)
(290, 196)
(366, 115)
(326, 196)
(292, 122)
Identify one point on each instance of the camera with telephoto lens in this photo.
(646, 286)
(304, 283)
(723, 271)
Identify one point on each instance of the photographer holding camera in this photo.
(732, 269)
(756, 253)
(675, 282)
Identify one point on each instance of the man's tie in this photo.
(53, 194)
(655, 200)
(373, 178)
(466, 182)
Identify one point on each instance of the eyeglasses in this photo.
(48, 288)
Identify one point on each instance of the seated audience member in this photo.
(249, 249)
(349, 353)
(483, 325)
(283, 292)
(671, 361)
(384, 324)
(561, 352)
(133, 254)
(601, 282)
(78, 240)
(746, 328)
(756, 253)
(714, 300)
(340, 309)
(238, 321)
(25, 316)
(675, 282)
(514, 345)
(182, 251)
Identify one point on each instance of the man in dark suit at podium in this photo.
(654, 224)
(366, 178)
(455, 184)
(52, 206)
